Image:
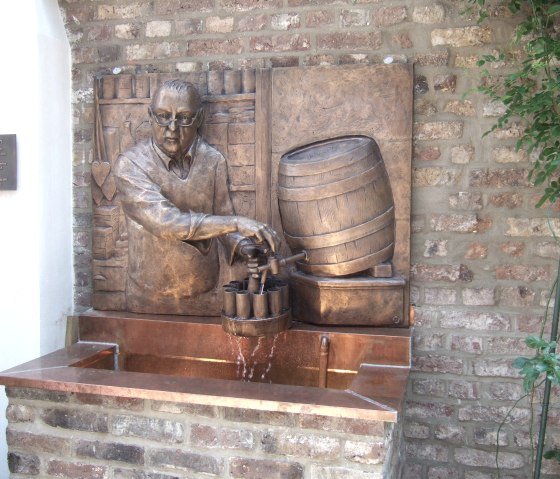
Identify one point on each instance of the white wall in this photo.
(36, 219)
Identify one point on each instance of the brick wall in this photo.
(483, 257)
(78, 436)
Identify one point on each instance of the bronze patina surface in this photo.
(163, 358)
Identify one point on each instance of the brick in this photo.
(503, 345)
(498, 178)
(284, 62)
(427, 342)
(331, 472)
(179, 408)
(428, 14)
(259, 468)
(464, 390)
(460, 108)
(549, 250)
(321, 18)
(285, 21)
(430, 153)
(479, 458)
(245, 5)
(213, 46)
(431, 452)
(443, 473)
(522, 272)
(495, 368)
(532, 227)
(462, 154)
(20, 463)
(428, 387)
(443, 272)
(127, 31)
(493, 414)
(506, 199)
(435, 58)
(188, 66)
(429, 410)
(437, 364)
(479, 296)
(466, 344)
(350, 426)
(133, 404)
(466, 61)
(517, 297)
(438, 130)
(110, 451)
(493, 109)
(435, 248)
(120, 473)
(514, 249)
(434, 176)
(76, 419)
(152, 51)
(424, 107)
(20, 413)
(403, 40)
(259, 417)
(184, 460)
(450, 433)
(70, 470)
(158, 28)
(350, 40)
(149, 428)
(509, 155)
(219, 24)
(466, 200)
(317, 447)
(512, 131)
(476, 250)
(120, 12)
(416, 430)
(354, 18)
(475, 321)
(176, 7)
(280, 43)
(505, 391)
(188, 26)
(387, 16)
(37, 443)
(314, 60)
(440, 296)
(223, 438)
(365, 452)
(461, 37)
(445, 83)
(467, 223)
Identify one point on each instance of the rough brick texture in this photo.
(484, 257)
(220, 443)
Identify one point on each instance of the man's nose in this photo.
(173, 125)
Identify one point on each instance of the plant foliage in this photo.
(531, 94)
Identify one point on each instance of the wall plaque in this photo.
(8, 162)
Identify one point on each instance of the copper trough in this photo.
(362, 373)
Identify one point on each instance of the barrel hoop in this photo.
(349, 267)
(325, 165)
(347, 185)
(343, 236)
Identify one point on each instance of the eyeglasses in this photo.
(165, 119)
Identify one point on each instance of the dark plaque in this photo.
(8, 162)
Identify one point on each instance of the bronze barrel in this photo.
(336, 203)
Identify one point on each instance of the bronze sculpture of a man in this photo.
(174, 193)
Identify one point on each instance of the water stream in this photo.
(247, 364)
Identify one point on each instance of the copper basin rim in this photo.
(179, 359)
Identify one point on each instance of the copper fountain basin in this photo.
(342, 372)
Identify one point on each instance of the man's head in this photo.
(176, 114)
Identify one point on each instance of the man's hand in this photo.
(257, 230)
